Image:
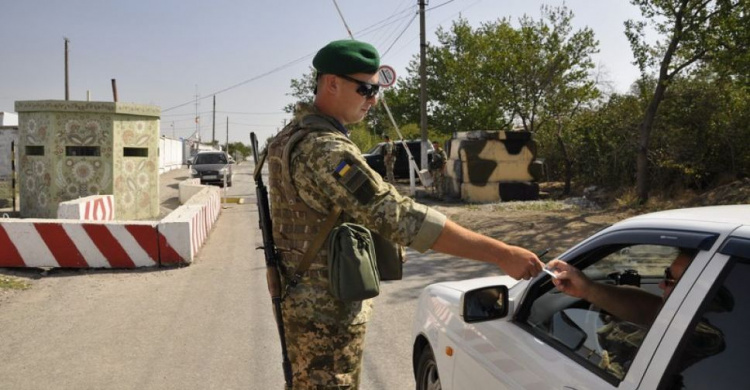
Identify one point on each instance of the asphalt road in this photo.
(205, 326)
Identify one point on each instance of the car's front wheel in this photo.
(427, 371)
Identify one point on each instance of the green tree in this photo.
(691, 31)
(548, 75)
(239, 151)
(302, 90)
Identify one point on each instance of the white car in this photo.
(499, 333)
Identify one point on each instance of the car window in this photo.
(599, 341)
(715, 352)
(210, 158)
(374, 150)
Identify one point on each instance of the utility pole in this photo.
(67, 87)
(226, 148)
(197, 118)
(213, 129)
(422, 84)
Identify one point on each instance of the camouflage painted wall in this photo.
(480, 162)
(52, 174)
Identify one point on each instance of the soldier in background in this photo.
(389, 158)
(314, 166)
(437, 170)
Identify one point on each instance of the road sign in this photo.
(387, 76)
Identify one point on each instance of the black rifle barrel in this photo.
(272, 259)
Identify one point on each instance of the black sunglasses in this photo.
(364, 89)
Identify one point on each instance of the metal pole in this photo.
(13, 173)
(67, 87)
(114, 90)
(422, 84)
(213, 129)
(197, 118)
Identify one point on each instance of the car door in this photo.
(531, 351)
(707, 343)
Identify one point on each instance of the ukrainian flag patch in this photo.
(354, 179)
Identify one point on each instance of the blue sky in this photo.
(162, 51)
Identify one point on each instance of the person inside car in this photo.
(631, 311)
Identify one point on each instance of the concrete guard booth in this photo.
(491, 166)
(74, 149)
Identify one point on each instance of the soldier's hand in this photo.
(520, 263)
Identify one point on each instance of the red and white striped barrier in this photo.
(187, 228)
(75, 243)
(66, 243)
(90, 208)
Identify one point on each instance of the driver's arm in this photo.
(625, 302)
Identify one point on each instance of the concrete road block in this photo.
(187, 228)
(75, 244)
(90, 208)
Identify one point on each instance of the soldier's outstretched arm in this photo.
(517, 262)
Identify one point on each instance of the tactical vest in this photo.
(295, 224)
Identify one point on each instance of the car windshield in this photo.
(210, 158)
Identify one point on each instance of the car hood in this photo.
(472, 284)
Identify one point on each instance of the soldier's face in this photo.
(354, 105)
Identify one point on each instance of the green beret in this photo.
(346, 57)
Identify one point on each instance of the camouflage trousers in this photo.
(390, 163)
(438, 183)
(325, 337)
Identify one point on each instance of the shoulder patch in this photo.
(355, 181)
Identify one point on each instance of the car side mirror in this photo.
(484, 304)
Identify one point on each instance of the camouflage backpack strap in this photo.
(305, 126)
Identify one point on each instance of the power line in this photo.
(274, 70)
(394, 31)
(192, 115)
(439, 5)
(399, 36)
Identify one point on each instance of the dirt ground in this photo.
(556, 222)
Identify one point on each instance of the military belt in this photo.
(311, 273)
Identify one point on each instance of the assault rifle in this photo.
(272, 256)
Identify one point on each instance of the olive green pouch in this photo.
(352, 267)
(390, 258)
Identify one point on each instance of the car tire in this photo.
(427, 371)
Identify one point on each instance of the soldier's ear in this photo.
(329, 83)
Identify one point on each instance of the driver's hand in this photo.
(570, 280)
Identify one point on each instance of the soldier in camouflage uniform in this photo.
(389, 158)
(632, 310)
(313, 166)
(437, 170)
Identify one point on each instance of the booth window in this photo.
(135, 152)
(35, 150)
(82, 151)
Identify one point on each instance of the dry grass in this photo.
(10, 283)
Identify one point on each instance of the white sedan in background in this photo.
(498, 333)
